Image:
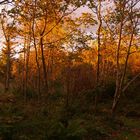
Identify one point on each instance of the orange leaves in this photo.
(134, 62)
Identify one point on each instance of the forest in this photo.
(69, 69)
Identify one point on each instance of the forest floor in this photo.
(35, 120)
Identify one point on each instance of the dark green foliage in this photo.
(110, 89)
(6, 132)
(52, 119)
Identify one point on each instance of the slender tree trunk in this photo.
(68, 84)
(38, 70)
(99, 55)
(7, 80)
(27, 68)
(23, 70)
(36, 54)
(120, 79)
(44, 64)
(8, 58)
(117, 90)
(45, 76)
(126, 61)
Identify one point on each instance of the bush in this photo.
(74, 130)
(6, 132)
(109, 90)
